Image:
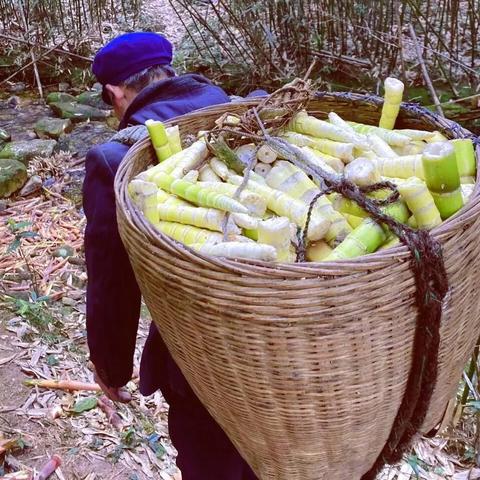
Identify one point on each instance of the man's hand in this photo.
(117, 394)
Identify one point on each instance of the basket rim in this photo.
(129, 212)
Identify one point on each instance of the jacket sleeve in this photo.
(113, 296)
(257, 93)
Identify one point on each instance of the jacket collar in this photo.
(163, 90)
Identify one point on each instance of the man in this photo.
(140, 84)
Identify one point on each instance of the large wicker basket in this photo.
(304, 365)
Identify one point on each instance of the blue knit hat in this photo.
(129, 54)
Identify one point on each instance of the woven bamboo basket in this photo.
(304, 365)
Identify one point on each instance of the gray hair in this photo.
(138, 81)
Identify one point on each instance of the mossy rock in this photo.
(13, 175)
(48, 127)
(56, 97)
(26, 150)
(93, 99)
(77, 112)
(84, 136)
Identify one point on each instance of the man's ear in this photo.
(115, 92)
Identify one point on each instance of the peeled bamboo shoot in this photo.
(368, 236)
(465, 156)
(362, 172)
(159, 138)
(442, 177)
(392, 137)
(198, 195)
(249, 251)
(307, 124)
(402, 167)
(420, 202)
(391, 105)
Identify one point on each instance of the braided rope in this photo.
(431, 287)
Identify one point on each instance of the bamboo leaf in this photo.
(85, 404)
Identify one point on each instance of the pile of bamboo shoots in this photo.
(253, 203)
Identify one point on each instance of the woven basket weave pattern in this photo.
(303, 365)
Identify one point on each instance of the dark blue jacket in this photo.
(113, 296)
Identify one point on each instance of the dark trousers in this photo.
(204, 450)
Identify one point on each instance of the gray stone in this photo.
(34, 184)
(94, 99)
(69, 302)
(30, 135)
(63, 87)
(18, 87)
(20, 121)
(84, 136)
(55, 97)
(97, 87)
(4, 137)
(48, 127)
(13, 101)
(13, 175)
(25, 150)
(76, 261)
(78, 112)
(64, 251)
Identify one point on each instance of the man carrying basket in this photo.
(140, 84)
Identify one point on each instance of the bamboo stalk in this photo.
(32, 54)
(426, 76)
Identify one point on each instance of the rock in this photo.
(77, 294)
(55, 97)
(69, 302)
(30, 135)
(25, 150)
(94, 99)
(78, 112)
(84, 136)
(13, 175)
(13, 101)
(76, 261)
(63, 87)
(113, 122)
(97, 87)
(18, 87)
(19, 122)
(34, 184)
(4, 137)
(64, 251)
(48, 127)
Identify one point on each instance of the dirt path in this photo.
(88, 445)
